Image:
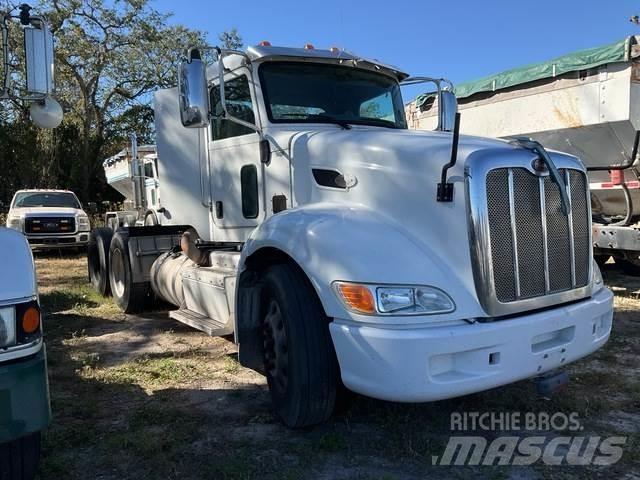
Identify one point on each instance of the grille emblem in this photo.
(539, 166)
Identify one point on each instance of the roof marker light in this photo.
(334, 49)
(308, 46)
(265, 43)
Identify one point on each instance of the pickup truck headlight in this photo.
(7, 326)
(15, 223)
(83, 223)
(393, 300)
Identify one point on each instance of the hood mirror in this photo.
(193, 92)
(448, 108)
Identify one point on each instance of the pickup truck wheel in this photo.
(19, 458)
(131, 297)
(299, 358)
(98, 259)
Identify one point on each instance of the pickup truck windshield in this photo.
(297, 92)
(45, 199)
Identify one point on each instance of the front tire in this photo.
(131, 297)
(19, 458)
(98, 259)
(299, 358)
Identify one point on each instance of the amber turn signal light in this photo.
(357, 297)
(30, 320)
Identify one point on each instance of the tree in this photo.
(231, 39)
(111, 57)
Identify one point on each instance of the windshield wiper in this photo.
(329, 119)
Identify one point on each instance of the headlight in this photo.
(393, 300)
(7, 326)
(83, 222)
(15, 223)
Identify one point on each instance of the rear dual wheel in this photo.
(131, 297)
(98, 259)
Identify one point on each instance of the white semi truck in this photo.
(584, 103)
(133, 173)
(335, 244)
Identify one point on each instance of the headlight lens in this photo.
(83, 222)
(15, 223)
(7, 327)
(393, 300)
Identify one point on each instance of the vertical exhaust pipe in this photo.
(137, 176)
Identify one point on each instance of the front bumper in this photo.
(24, 397)
(435, 363)
(79, 239)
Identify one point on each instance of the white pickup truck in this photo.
(49, 218)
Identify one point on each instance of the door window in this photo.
(238, 100)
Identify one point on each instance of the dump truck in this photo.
(133, 173)
(24, 388)
(338, 247)
(584, 103)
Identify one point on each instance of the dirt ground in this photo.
(137, 397)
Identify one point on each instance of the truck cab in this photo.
(24, 390)
(49, 218)
(303, 217)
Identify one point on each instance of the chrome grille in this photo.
(536, 250)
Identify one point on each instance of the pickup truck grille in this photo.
(536, 250)
(49, 225)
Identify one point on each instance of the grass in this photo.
(145, 397)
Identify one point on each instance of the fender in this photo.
(354, 243)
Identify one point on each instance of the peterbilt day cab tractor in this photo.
(24, 388)
(336, 245)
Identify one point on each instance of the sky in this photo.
(459, 40)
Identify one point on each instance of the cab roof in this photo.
(260, 53)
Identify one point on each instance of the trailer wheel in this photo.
(131, 297)
(19, 458)
(98, 259)
(299, 358)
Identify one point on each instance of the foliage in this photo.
(110, 57)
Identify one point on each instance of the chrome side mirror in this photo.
(447, 109)
(192, 91)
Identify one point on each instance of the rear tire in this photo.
(19, 458)
(98, 259)
(299, 358)
(130, 297)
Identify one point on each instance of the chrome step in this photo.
(201, 322)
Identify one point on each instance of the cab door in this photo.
(234, 156)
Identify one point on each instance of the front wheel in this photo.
(299, 358)
(19, 458)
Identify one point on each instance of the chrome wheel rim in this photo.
(117, 272)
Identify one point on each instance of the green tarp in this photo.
(582, 60)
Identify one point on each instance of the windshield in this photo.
(320, 93)
(45, 199)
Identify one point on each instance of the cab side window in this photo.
(238, 100)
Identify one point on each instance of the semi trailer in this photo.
(304, 218)
(585, 103)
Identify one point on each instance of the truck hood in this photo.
(18, 278)
(44, 211)
(396, 173)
